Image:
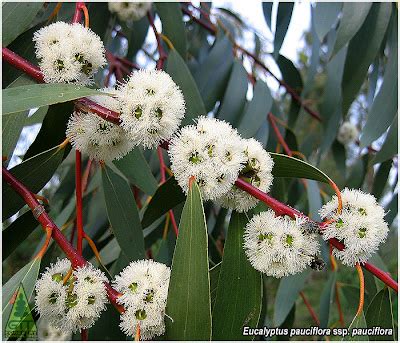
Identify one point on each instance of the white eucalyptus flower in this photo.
(211, 152)
(152, 107)
(75, 305)
(277, 246)
(144, 288)
(129, 11)
(360, 225)
(348, 133)
(257, 171)
(47, 332)
(97, 137)
(68, 53)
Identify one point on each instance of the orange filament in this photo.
(362, 288)
(93, 247)
(137, 335)
(63, 144)
(42, 198)
(67, 276)
(86, 14)
(42, 251)
(55, 12)
(338, 194)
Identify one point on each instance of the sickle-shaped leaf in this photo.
(188, 304)
(239, 292)
(283, 17)
(26, 97)
(123, 214)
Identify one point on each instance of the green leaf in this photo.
(339, 154)
(27, 277)
(381, 178)
(167, 196)
(287, 294)
(353, 16)
(172, 24)
(182, 76)
(325, 15)
(188, 302)
(286, 166)
(357, 323)
(52, 131)
(34, 173)
(314, 199)
(283, 17)
(357, 173)
(239, 292)
(256, 111)
(380, 314)
(14, 123)
(392, 209)
(26, 97)
(16, 18)
(213, 74)
(136, 36)
(123, 214)
(368, 40)
(234, 99)
(326, 300)
(389, 147)
(267, 10)
(214, 278)
(384, 107)
(14, 234)
(136, 169)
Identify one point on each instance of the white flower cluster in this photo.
(348, 133)
(68, 53)
(152, 107)
(75, 305)
(214, 153)
(129, 11)
(144, 288)
(278, 246)
(360, 225)
(47, 332)
(97, 137)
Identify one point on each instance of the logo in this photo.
(21, 324)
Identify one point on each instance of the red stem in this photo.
(162, 54)
(59, 238)
(278, 134)
(78, 186)
(310, 309)
(22, 64)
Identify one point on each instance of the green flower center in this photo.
(87, 68)
(91, 299)
(195, 158)
(159, 112)
(53, 298)
(362, 211)
(339, 224)
(289, 240)
(268, 236)
(72, 300)
(133, 287)
(362, 232)
(149, 296)
(60, 65)
(138, 112)
(140, 314)
(150, 91)
(57, 277)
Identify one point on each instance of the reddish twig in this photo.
(278, 134)
(59, 238)
(310, 309)
(162, 54)
(78, 186)
(339, 306)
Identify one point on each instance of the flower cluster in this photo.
(214, 153)
(74, 303)
(360, 225)
(129, 11)
(100, 139)
(279, 246)
(152, 107)
(68, 53)
(348, 133)
(144, 288)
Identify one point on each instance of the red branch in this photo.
(162, 54)
(310, 309)
(59, 238)
(78, 186)
(278, 134)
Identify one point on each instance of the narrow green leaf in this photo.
(167, 196)
(389, 147)
(380, 314)
(384, 107)
(136, 36)
(214, 278)
(368, 40)
(326, 14)
(234, 99)
(26, 97)
(357, 173)
(26, 276)
(213, 74)
(136, 169)
(286, 166)
(314, 199)
(182, 76)
(287, 294)
(16, 17)
(392, 209)
(381, 178)
(239, 292)
(353, 16)
(14, 234)
(256, 111)
(357, 323)
(123, 214)
(267, 10)
(188, 303)
(34, 173)
(326, 300)
(172, 24)
(283, 17)
(339, 154)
